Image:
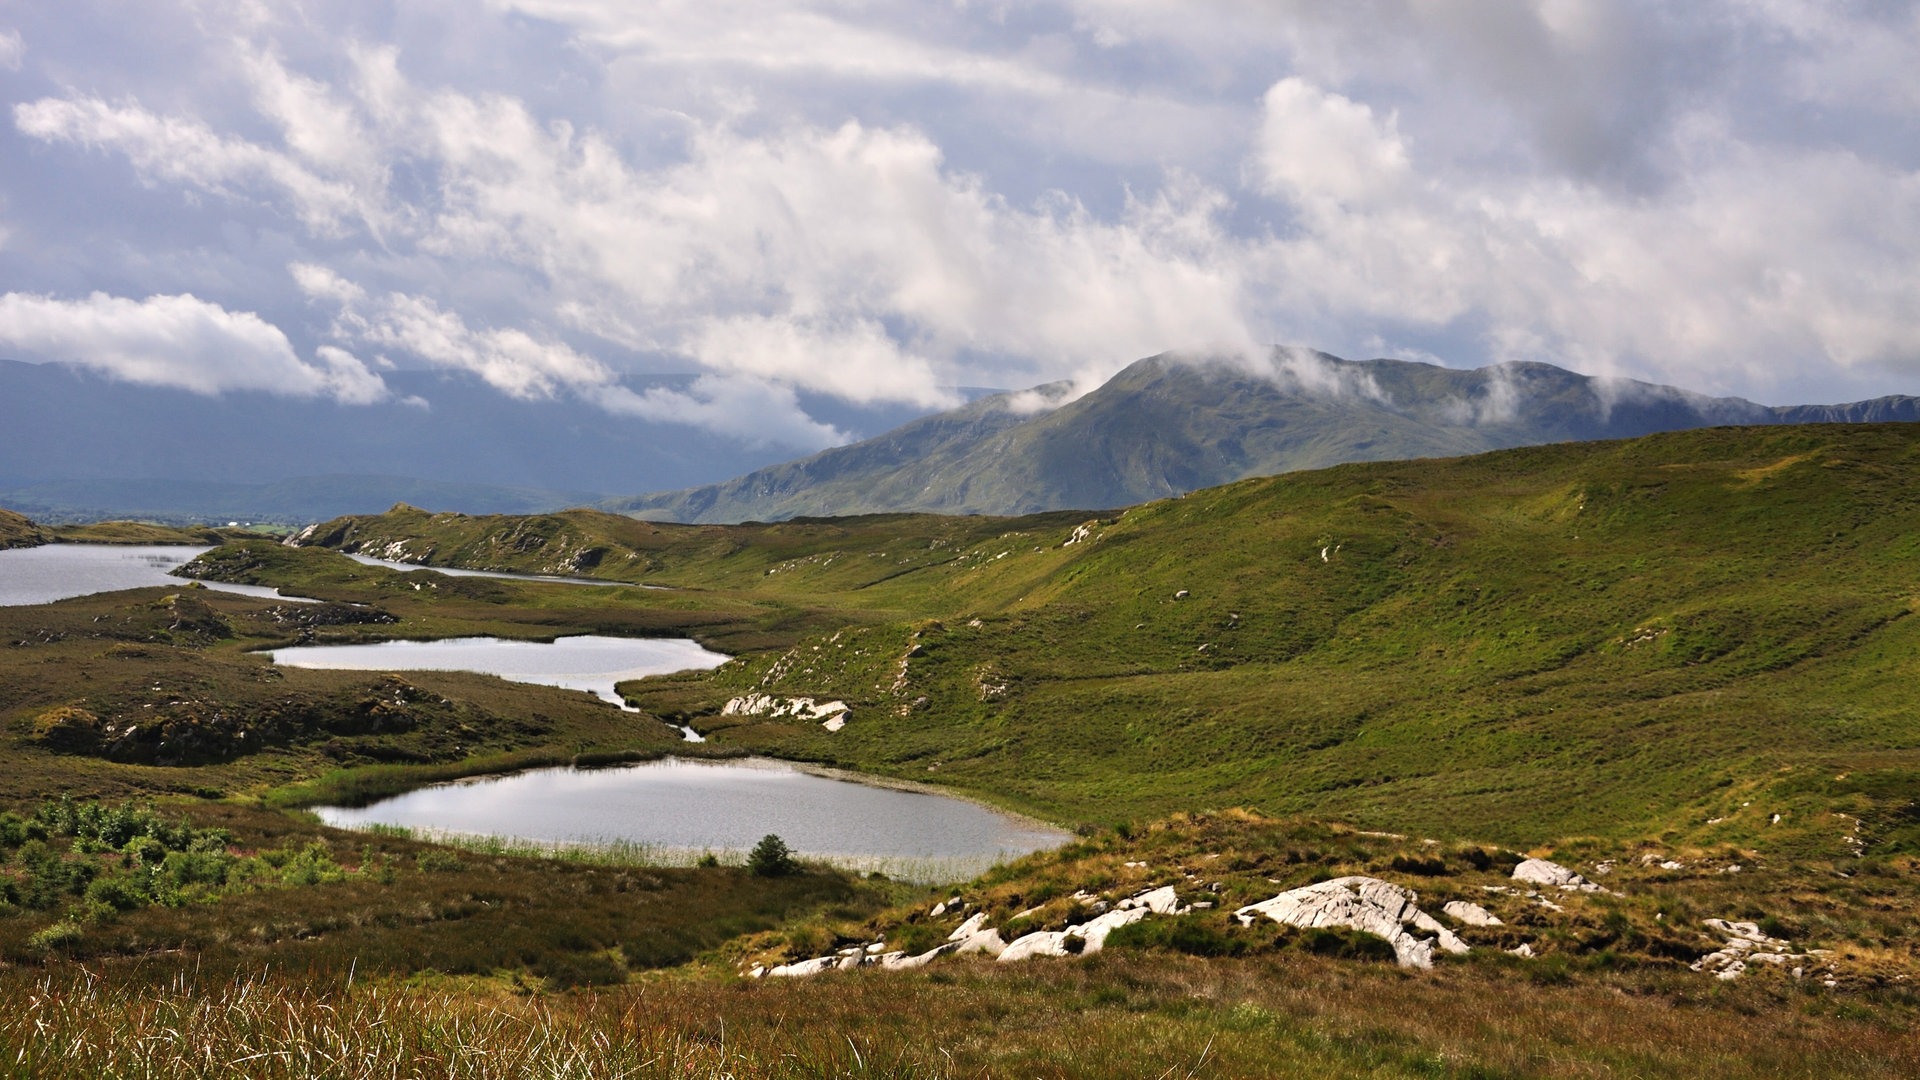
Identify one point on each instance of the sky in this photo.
(878, 203)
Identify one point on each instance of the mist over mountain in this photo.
(1164, 426)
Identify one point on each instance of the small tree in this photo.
(772, 858)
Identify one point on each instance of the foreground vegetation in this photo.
(1680, 664)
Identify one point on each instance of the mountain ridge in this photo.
(1164, 426)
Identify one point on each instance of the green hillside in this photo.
(1589, 638)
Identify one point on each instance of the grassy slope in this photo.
(17, 531)
(1607, 638)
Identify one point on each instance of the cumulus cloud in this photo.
(873, 203)
(754, 411)
(182, 342)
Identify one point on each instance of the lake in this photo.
(454, 571)
(41, 575)
(688, 806)
(588, 662)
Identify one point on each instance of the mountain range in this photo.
(1165, 426)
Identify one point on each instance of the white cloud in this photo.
(180, 341)
(12, 50)
(188, 151)
(1319, 145)
(752, 410)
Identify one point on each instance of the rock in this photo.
(1542, 872)
(1095, 932)
(835, 723)
(986, 941)
(972, 926)
(1365, 904)
(1522, 950)
(1181, 595)
(802, 968)
(876, 947)
(899, 961)
(1038, 943)
(1461, 911)
(1161, 901)
(1746, 944)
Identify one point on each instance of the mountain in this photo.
(1165, 426)
(74, 443)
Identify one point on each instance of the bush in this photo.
(772, 858)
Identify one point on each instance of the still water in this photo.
(41, 575)
(454, 571)
(717, 806)
(588, 662)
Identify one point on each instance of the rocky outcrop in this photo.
(832, 715)
(1366, 904)
(974, 936)
(1747, 945)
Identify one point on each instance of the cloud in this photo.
(186, 150)
(181, 342)
(1318, 145)
(756, 412)
(12, 50)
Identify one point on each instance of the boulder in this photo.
(972, 926)
(1365, 904)
(1038, 943)
(1095, 931)
(1161, 901)
(987, 941)
(1543, 872)
(1467, 914)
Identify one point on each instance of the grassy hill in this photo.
(1583, 638)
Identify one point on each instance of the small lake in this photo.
(41, 575)
(587, 662)
(454, 571)
(688, 806)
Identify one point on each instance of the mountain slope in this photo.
(1163, 427)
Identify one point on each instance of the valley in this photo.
(1678, 665)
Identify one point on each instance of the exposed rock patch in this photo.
(1366, 904)
(832, 715)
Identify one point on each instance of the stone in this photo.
(1543, 872)
(1461, 911)
(987, 941)
(1094, 932)
(1161, 901)
(802, 968)
(1038, 943)
(1365, 904)
(1522, 950)
(972, 926)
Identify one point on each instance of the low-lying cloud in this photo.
(182, 342)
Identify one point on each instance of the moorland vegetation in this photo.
(1680, 663)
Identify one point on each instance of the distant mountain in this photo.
(75, 444)
(1166, 426)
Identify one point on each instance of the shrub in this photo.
(772, 858)
(437, 860)
(60, 935)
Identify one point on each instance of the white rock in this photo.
(901, 961)
(835, 723)
(969, 928)
(987, 941)
(1366, 904)
(1461, 911)
(1522, 950)
(876, 947)
(1161, 901)
(801, 968)
(938, 910)
(1094, 932)
(1542, 872)
(1038, 943)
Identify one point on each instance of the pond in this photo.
(676, 806)
(588, 662)
(41, 575)
(454, 571)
